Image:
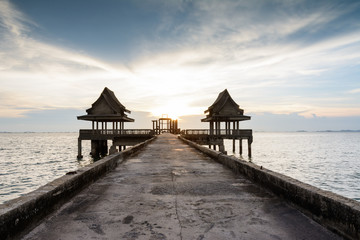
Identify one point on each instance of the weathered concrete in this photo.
(169, 190)
(338, 213)
(21, 214)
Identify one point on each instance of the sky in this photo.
(291, 65)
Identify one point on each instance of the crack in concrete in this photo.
(176, 202)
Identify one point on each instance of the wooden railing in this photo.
(221, 133)
(117, 132)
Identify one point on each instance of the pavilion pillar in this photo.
(234, 145)
(237, 128)
(234, 128)
(92, 127)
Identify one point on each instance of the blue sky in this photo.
(292, 65)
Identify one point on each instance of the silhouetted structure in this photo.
(223, 116)
(224, 111)
(108, 110)
(165, 124)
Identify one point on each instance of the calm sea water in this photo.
(327, 160)
(30, 160)
(330, 161)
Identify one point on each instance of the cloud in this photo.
(265, 53)
(356, 90)
(47, 76)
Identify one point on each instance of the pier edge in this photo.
(337, 213)
(20, 215)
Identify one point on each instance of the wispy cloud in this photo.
(356, 90)
(263, 53)
(48, 76)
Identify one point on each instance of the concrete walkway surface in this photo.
(169, 190)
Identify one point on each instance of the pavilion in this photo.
(226, 110)
(223, 116)
(104, 111)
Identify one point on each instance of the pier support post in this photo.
(112, 149)
(95, 153)
(240, 146)
(222, 149)
(79, 156)
(103, 147)
(249, 147)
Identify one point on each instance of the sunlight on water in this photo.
(30, 160)
(328, 160)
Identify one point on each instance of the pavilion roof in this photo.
(107, 108)
(225, 109)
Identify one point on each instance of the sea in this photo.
(327, 160)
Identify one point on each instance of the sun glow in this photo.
(175, 110)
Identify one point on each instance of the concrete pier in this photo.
(169, 190)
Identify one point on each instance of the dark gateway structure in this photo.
(165, 124)
(105, 111)
(224, 111)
